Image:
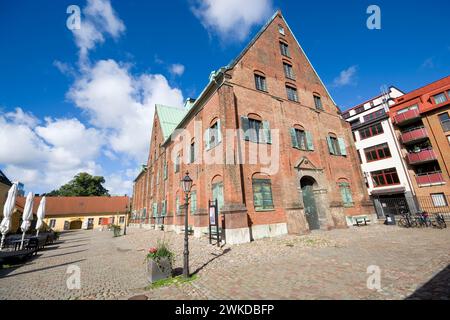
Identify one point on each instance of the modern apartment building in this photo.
(422, 125)
(385, 172)
(267, 104)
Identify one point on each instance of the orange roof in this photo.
(78, 205)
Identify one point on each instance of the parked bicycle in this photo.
(423, 219)
(406, 221)
(439, 222)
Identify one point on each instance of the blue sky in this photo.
(59, 114)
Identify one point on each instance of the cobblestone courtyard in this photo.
(323, 265)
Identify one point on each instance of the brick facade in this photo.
(230, 98)
(425, 137)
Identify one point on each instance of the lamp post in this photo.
(187, 185)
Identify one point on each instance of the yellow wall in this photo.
(3, 195)
(60, 220)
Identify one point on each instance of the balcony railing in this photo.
(407, 117)
(421, 157)
(414, 135)
(430, 178)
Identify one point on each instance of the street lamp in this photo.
(186, 183)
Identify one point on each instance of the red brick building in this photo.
(422, 124)
(265, 139)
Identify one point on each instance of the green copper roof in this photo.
(169, 118)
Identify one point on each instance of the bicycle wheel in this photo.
(402, 223)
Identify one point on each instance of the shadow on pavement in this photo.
(224, 252)
(4, 273)
(63, 254)
(438, 288)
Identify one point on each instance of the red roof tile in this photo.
(79, 205)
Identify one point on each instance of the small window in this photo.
(385, 177)
(302, 139)
(378, 152)
(214, 136)
(445, 121)
(99, 221)
(121, 220)
(288, 71)
(439, 200)
(374, 115)
(371, 131)
(193, 202)
(292, 93)
(260, 82)
(413, 107)
(256, 130)
(262, 194)
(53, 223)
(177, 205)
(346, 194)
(192, 153)
(284, 48)
(177, 163)
(440, 98)
(281, 29)
(336, 146)
(318, 102)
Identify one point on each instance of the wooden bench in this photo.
(361, 221)
(190, 230)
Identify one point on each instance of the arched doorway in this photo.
(309, 201)
(75, 225)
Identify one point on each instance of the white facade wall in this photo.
(396, 161)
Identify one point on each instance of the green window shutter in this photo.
(330, 145)
(266, 132)
(294, 139)
(342, 146)
(219, 132)
(163, 210)
(309, 141)
(245, 125)
(193, 202)
(346, 194)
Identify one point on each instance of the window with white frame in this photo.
(439, 200)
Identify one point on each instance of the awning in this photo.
(388, 191)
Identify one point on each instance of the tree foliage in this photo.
(82, 185)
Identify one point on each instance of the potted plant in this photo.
(159, 262)
(116, 229)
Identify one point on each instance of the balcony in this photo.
(407, 117)
(421, 157)
(428, 179)
(414, 136)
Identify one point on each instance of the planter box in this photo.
(159, 270)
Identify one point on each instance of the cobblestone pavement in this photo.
(414, 264)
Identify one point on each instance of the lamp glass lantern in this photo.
(186, 183)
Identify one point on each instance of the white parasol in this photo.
(40, 215)
(8, 209)
(27, 216)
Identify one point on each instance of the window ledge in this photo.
(265, 210)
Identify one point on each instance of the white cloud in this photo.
(46, 156)
(98, 18)
(122, 104)
(64, 68)
(177, 69)
(119, 106)
(232, 19)
(346, 77)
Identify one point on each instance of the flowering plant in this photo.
(162, 250)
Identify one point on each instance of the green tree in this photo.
(82, 185)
